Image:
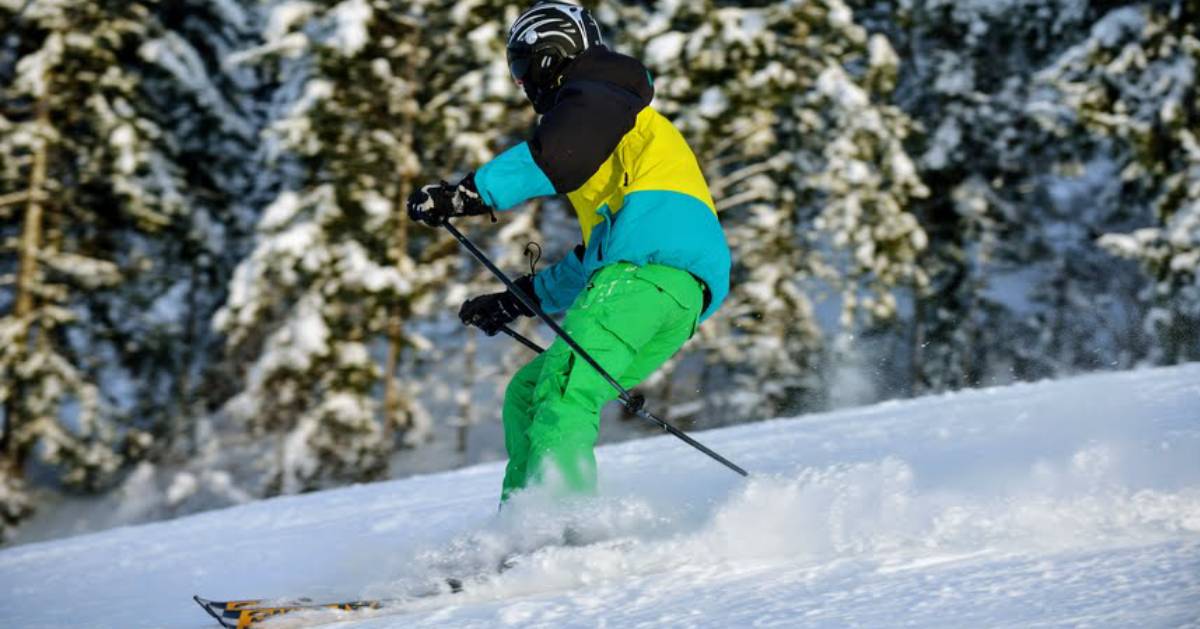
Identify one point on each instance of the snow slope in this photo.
(1062, 503)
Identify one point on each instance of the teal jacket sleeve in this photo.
(511, 179)
(558, 285)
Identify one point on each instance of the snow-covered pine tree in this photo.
(1018, 287)
(208, 126)
(383, 98)
(783, 104)
(967, 88)
(485, 114)
(80, 166)
(1132, 90)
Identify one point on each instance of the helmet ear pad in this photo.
(541, 80)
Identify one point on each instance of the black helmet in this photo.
(543, 40)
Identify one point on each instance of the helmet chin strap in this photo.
(542, 96)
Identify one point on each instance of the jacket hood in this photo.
(601, 64)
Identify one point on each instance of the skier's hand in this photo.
(435, 203)
(496, 310)
(432, 204)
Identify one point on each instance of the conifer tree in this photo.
(80, 167)
(209, 125)
(1132, 89)
(383, 98)
(1017, 288)
(783, 105)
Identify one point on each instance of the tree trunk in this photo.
(27, 277)
(185, 403)
(399, 251)
(395, 336)
(31, 233)
(465, 416)
(391, 384)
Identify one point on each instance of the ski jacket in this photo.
(632, 179)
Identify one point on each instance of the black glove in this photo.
(492, 312)
(435, 203)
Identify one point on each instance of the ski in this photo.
(250, 613)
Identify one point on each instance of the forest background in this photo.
(209, 293)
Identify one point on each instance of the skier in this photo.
(653, 261)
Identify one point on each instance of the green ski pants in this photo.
(630, 319)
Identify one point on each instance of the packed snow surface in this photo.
(1062, 503)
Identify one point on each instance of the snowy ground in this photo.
(1066, 503)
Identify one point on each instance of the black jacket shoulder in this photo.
(601, 95)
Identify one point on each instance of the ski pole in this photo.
(538, 349)
(516, 336)
(631, 402)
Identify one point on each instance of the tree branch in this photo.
(17, 198)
